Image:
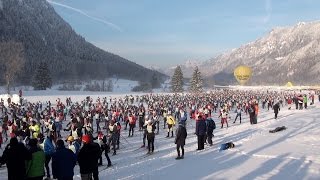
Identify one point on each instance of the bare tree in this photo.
(12, 60)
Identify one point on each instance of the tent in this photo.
(289, 84)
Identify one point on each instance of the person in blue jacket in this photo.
(201, 132)
(48, 151)
(183, 117)
(63, 162)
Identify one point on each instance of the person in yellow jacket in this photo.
(35, 129)
(170, 122)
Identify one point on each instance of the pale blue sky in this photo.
(169, 32)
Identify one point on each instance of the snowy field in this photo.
(290, 154)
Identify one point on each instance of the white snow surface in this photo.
(290, 154)
(14, 98)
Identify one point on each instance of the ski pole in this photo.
(125, 139)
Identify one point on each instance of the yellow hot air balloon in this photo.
(242, 74)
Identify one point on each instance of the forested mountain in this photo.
(47, 37)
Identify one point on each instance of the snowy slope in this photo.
(290, 154)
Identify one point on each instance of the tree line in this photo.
(195, 84)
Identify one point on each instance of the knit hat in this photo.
(86, 139)
(70, 138)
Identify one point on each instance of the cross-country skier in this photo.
(211, 125)
(102, 141)
(276, 109)
(238, 111)
(88, 158)
(132, 124)
(180, 140)
(150, 136)
(170, 122)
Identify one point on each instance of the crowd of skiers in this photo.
(80, 132)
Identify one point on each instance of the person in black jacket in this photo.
(63, 162)
(88, 158)
(180, 140)
(276, 109)
(113, 131)
(103, 142)
(201, 132)
(252, 113)
(15, 156)
(211, 125)
(150, 136)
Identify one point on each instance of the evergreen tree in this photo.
(42, 79)
(196, 82)
(177, 80)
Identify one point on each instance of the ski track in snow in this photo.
(290, 154)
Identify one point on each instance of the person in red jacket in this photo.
(118, 135)
(289, 103)
(132, 124)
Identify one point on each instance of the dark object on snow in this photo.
(278, 129)
(226, 146)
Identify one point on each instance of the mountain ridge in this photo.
(284, 54)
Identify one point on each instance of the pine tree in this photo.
(196, 82)
(177, 80)
(42, 79)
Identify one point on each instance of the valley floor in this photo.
(290, 154)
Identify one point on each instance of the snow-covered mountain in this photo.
(284, 54)
(187, 68)
(47, 37)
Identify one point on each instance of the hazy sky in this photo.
(169, 32)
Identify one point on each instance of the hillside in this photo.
(285, 54)
(47, 37)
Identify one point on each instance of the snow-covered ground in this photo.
(290, 154)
